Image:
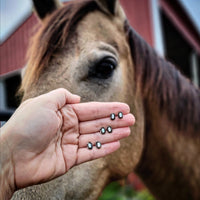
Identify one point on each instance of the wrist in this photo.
(7, 176)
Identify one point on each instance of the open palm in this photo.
(55, 131)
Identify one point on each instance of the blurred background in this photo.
(172, 27)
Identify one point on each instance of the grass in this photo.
(115, 191)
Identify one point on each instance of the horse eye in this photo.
(103, 69)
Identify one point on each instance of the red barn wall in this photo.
(13, 50)
(139, 15)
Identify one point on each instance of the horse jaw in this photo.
(68, 186)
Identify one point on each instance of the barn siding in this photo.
(140, 17)
(13, 50)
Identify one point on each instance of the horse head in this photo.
(83, 47)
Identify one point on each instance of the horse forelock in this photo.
(53, 36)
(160, 82)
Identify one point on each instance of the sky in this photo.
(13, 12)
(193, 7)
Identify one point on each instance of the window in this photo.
(179, 51)
(9, 85)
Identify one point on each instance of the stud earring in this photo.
(120, 115)
(90, 145)
(112, 116)
(102, 130)
(109, 129)
(98, 145)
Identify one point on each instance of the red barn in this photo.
(164, 24)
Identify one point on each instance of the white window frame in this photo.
(157, 28)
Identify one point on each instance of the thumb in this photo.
(60, 97)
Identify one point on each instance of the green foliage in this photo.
(116, 192)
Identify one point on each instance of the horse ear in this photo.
(45, 7)
(109, 6)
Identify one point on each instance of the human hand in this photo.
(48, 135)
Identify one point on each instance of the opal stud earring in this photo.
(112, 116)
(120, 115)
(98, 145)
(109, 129)
(102, 130)
(90, 145)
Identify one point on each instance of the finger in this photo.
(96, 110)
(95, 125)
(116, 134)
(84, 154)
(60, 97)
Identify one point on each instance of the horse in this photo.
(89, 48)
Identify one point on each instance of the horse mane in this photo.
(52, 36)
(160, 82)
